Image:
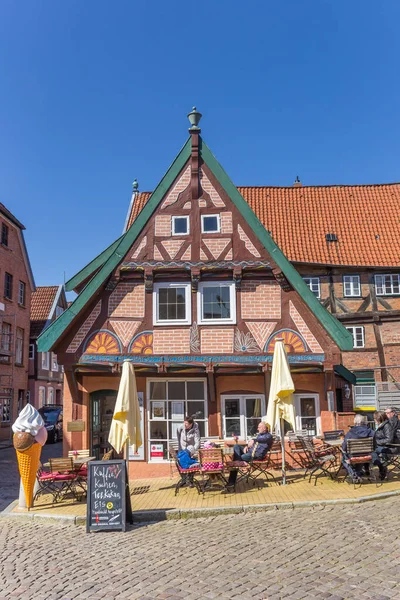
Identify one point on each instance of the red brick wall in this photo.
(171, 341)
(127, 300)
(216, 341)
(162, 225)
(260, 300)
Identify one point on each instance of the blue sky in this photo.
(94, 94)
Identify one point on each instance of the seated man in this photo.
(360, 431)
(395, 425)
(256, 449)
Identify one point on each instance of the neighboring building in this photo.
(16, 287)
(45, 374)
(194, 294)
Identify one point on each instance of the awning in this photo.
(345, 373)
(364, 377)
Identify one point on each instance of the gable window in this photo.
(210, 224)
(351, 285)
(4, 234)
(358, 336)
(45, 360)
(314, 285)
(171, 304)
(19, 346)
(180, 225)
(216, 302)
(8, 285)
(31, 351)
(387, 285)
(21, 293)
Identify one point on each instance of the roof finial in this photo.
(135, 186)
(297, 182)
(194, 117)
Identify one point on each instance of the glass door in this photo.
(241, 415)
(307, 413)
(102, 410)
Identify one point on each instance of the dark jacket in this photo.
(262, 444)
(384, 434)
(357, 432)
(395, 425)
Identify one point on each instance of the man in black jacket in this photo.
(256, 449)
(360, 431)
(394, 423)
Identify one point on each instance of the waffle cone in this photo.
(28, 464)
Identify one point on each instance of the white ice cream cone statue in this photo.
(28, 440)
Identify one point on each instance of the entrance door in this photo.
(241, 414)
(308, 415)
(102, 410)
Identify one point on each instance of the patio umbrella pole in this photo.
(283, 452)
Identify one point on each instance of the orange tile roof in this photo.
(41, 303)
(365, 219)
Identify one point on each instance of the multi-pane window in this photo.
(31, 351)
(4, 234)
(216, 303)
(180, 225)
(351, 285)
(19, 346)
(6, 337)
(171, 304)
(314, 285)
(8, 285)
(21, 293)
(210, 224)
(54, 363)
(241, 415)
(170, 401)
(387, 285)
(358, 336)
(45, 360)
(5, 405)
(50, 395)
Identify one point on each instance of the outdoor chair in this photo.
(333, 435)
(212, 466)
(78, 453)
(184, 473)
(296, 449)
(47, 485)
(257, 468)
(61, 480)
(358, 452)
(392, 459)
(321, 460)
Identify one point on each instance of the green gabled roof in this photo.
(112, 256)
(91, 267)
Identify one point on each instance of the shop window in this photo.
(169, 401)
(308, 413)
(210, 224)
(351, 286)
(358, 336)
(180, 225)
(314, 285)
(241, 415)
(387, 285)
(171, 304)
(216, 303)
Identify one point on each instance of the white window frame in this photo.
(168, 420)
(381, 283)
(218, 230)
(188, 305)
(42, 389)
(364, 396)
(6, 336)
(50, 396)
(297, 404)
(186, 217)
(21, 296)
(6, 407)
(19, 346)
(357, 343)
(242, 434)
(232, 299)
(313, 282)
(45, 361)
(31, 354)
(54, 362)
(353, 283)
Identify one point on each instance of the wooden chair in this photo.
(78, 453)
(335, 434)
(65, 477)
(212, 466)
(358, 452)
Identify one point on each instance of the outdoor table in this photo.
(338, 442)
(77, 460)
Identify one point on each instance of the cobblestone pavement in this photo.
(9, 476)
(336, 553)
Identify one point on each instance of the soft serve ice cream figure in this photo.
(30, 435)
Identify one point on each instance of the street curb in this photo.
(157, 516)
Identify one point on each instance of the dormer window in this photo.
(210, 224)
(180, 225)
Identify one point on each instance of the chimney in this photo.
(194, 117)
(297, 182)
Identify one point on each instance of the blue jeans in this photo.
(238, 454)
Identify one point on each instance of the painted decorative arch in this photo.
(294, 342)
(142, 343)
(103, 341)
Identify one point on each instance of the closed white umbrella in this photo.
(280, 402)
(125, 424)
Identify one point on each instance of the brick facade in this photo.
(127, 300)
(171, 341)
(216, 341)
(162, 225)
(260, 300)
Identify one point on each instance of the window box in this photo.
(358, 336)
(180, 225)
(210, 224)
(171, 304)
(387, 285)
(314, 285)
(216, 303)
(351, 286)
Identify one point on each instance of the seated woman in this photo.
(189, 439)
(384, 433)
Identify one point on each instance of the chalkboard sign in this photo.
(108, 498)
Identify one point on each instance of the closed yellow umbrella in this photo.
(125, 424)
(280, 402)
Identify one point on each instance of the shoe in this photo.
(191, 484)
(383, 473)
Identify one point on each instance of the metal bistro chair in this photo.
(257, 468)
(335, 434)
(64, 477)
(195, 470)
(296, 449)
(321, 460)
(358, 452)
